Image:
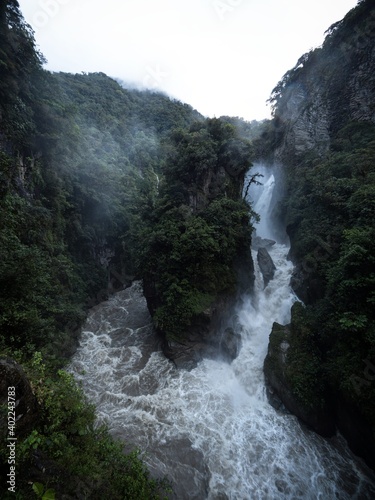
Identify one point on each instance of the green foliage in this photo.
(65, 214)
(330, 214)
(96, 178)
(73, 150)
(41, 492)
(184, 259)
(208, 148)
(199, 224)
(75, 452)
(19, 60)
(304, 362)
(40, 289)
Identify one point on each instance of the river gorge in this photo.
(211, 430)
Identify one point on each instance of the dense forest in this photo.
(99, 186)
(326, 143)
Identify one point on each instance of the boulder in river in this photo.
(266, 265)
(258, 242)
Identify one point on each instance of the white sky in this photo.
(223, 57)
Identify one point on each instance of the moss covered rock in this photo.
(293, 370)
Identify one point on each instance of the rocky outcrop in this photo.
(210, 187)
(306, 284)
(190, 311)
(282, 389)
(258, 242)
(323, 107)
(340, 411)
(266, 265)
(212, 333)
(210, 336)
(328, 87)
(357, 430)
(230, 343)
(306, 125)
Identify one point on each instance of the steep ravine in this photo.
(324, 119)
(211, 429)
(328, 87)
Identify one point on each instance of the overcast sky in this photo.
(223, 57)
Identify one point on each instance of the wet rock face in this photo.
(26, 409)
(308, 287)
(280, 389)
(335, 85)
(266, 265)
(339, 411)
(357, 430)
(258, 242)
(230, 343)
(210, 336)
(307, 127)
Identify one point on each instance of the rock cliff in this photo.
(328, 87)
(266, 265)
(324, 116)
(200, 244)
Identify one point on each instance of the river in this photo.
(211, 430)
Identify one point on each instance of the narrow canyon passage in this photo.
(211, 430)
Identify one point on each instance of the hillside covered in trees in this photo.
(100, 185)
(323, 133)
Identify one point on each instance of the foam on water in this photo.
(211, 429)
(264, 228)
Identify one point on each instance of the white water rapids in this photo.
(211, 430)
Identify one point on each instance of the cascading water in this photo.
(262, 207)
(211, 429)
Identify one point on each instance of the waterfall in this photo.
(211, 430)
(262, 207)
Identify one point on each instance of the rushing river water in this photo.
(211, 430)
